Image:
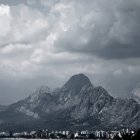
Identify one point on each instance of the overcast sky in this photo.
(44, 42)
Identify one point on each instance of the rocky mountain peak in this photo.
(39, 93)
(136, 93)
(76, 83)
(42, 90)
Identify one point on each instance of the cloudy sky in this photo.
(44, 42)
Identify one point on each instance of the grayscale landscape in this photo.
(70, 69)
(78, 105)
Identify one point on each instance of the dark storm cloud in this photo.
(111, 33)
(115, 50)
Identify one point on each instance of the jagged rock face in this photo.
(77, 105)
(136, 93)
(70, 92)
(92, 101)
(121, 112)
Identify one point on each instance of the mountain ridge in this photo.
(77, 105)
(136, 93)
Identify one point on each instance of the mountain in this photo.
(136, 93)
(77, 105)
(2, 108)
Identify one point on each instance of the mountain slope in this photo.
(2, 107)
(77, 105)
(136, 93)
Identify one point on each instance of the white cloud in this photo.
(4, 10)
(15, 48)
(5, 18)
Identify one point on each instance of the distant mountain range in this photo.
(78, 105)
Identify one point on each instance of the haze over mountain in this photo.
(77, 105)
